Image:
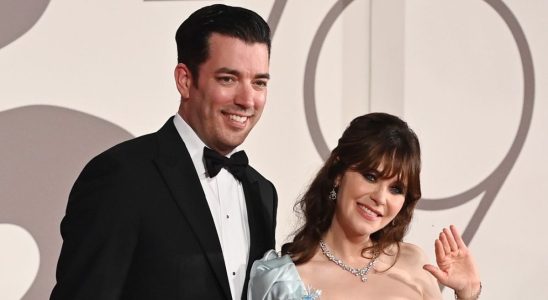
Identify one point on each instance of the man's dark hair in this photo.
(193, 35)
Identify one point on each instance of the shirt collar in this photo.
(194, 144)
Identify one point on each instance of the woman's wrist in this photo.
(473, 295)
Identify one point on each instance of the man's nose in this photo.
(246, 96)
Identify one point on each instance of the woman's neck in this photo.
(347, 247)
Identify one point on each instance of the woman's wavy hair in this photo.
(370, 141)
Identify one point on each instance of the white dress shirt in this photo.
(226, 200)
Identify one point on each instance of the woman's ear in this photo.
(337, 181)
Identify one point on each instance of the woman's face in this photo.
(366, 203)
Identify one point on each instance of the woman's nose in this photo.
(379, 194)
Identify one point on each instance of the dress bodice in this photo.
(275, 277)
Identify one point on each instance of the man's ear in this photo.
(183, 80)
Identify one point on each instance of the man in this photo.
(146, 219)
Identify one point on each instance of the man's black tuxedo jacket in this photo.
(138, 226)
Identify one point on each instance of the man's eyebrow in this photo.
(263, 76)
(226, 70)
(234, 72)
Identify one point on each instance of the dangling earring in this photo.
(393, 222)
(333, 194)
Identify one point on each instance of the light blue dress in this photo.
(276, 278)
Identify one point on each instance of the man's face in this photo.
(228, 98)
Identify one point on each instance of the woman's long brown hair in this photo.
(370, 141)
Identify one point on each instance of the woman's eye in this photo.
(370, 177)
(396, 190)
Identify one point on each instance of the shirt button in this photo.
(233, 273)
(227, 216)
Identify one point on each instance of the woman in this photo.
(356, 212)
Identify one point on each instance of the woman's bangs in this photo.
(388, 163)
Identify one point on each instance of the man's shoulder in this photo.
(128, 151)
(145, 146)
(123, 157)
(142, 145)
(255, 175)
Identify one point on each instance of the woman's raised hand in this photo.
(456, 267)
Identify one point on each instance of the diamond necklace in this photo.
(362, 273)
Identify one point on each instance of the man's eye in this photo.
(261, 83)
(225, 79)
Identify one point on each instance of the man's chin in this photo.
(227, 146)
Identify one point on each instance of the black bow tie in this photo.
(236, 164)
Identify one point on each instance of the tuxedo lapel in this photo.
(258, 224)
(177, 169)
(255, 211)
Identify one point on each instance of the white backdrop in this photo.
(470, 76)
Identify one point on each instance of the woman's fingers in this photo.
(458, 238)
(445, 243)
(450, 239)
(440, 252)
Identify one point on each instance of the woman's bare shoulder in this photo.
(315, 264)
(412, 255)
